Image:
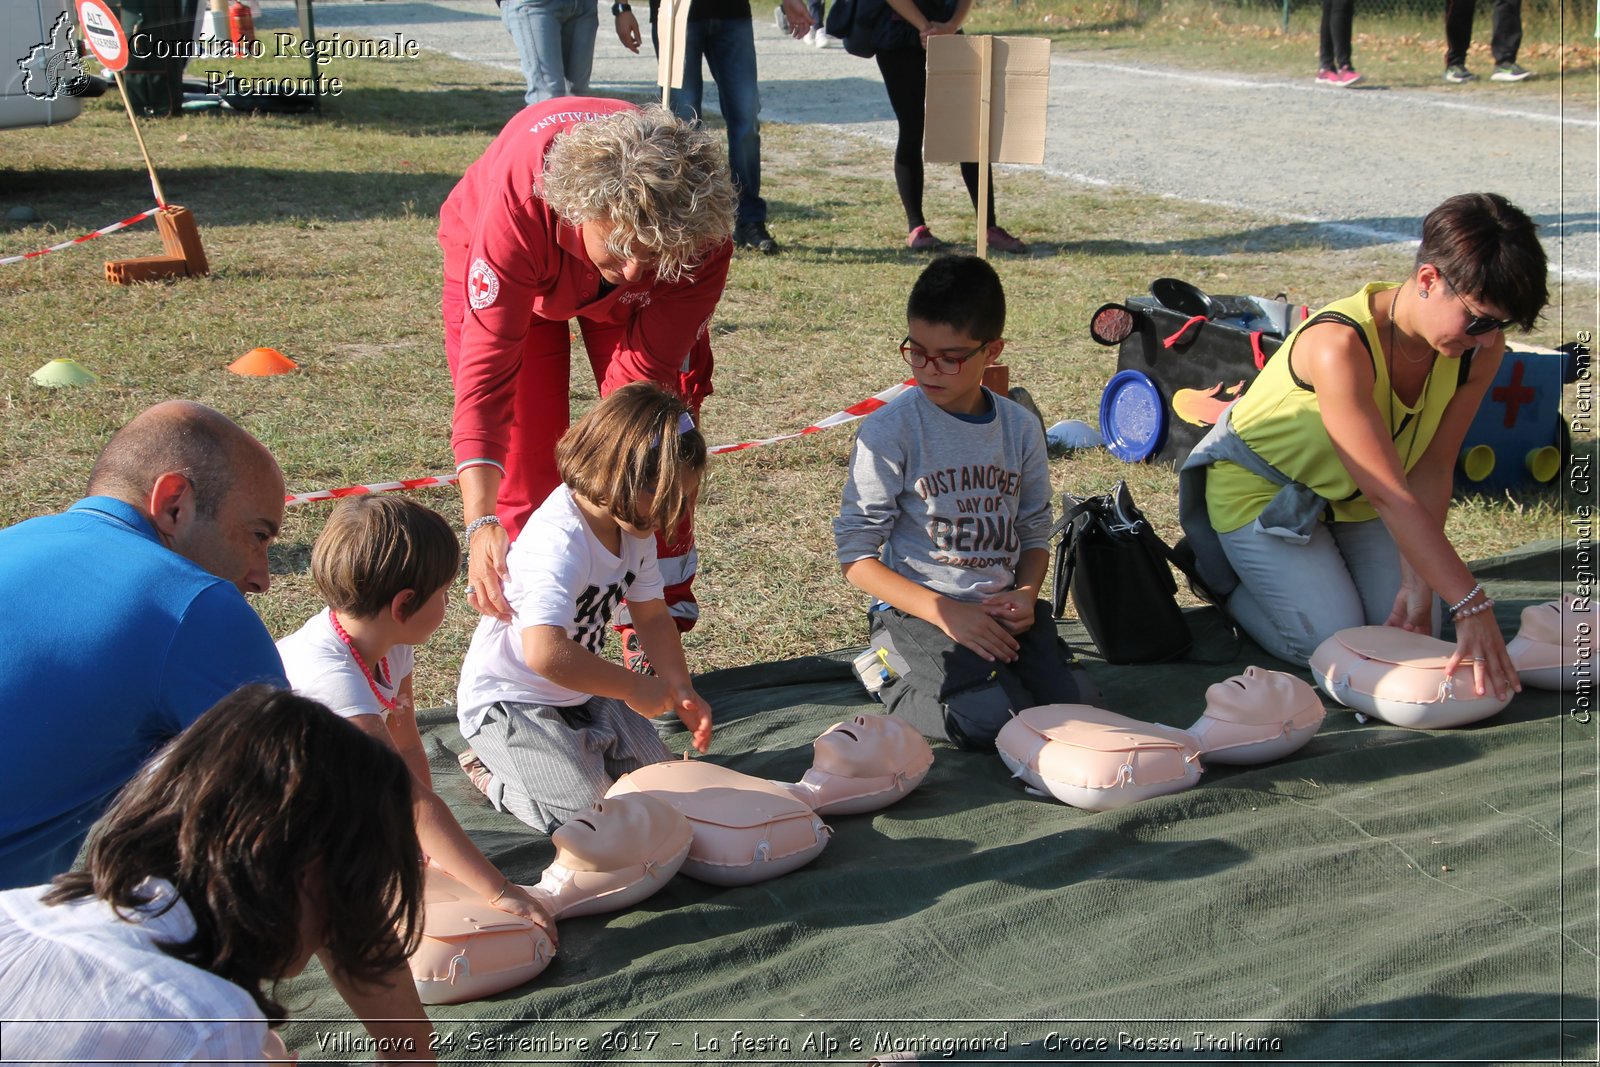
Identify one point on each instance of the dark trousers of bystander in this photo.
(1505, 39)
(905, 76)
(1337, 17)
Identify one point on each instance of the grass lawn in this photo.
(320, 233)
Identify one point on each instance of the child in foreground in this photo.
(945, 521)
(221, 868)
(553, 723)
(385, 565)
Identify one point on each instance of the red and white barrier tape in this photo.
(838, 418)
(102, 231)
(360, 490)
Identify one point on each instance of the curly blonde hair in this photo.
(660, 183)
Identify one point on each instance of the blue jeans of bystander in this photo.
(555, 43)
(728, 47)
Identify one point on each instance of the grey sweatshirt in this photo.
(947, 503)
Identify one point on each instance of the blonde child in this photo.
(385, 565)
(552, 722)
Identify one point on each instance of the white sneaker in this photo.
(810, 37)
(824, 41)
(779, 19)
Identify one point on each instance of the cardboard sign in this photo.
(103, 32)
(672, 27)
(1016, 93)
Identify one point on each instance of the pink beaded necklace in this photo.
(388, 705)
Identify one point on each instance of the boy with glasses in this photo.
(945, 521)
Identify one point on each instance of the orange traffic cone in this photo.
(261, 362)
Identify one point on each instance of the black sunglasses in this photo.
(1477, 324)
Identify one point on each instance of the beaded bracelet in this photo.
(477, 524)
(1476, 609)
(1457, 606)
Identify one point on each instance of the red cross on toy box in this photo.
(1518, 439)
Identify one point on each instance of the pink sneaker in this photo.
(1347, 77)
(1001, 241)
(1328, 77)
(922, 239)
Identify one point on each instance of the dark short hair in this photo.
(1488, 249)
(963, 292)
(261, 790)
(374, 548)
(634, 442)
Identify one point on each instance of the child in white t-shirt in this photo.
(552, 722)
(385, 565)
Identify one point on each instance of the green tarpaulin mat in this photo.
(1382, 895)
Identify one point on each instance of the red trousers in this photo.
(542, 412)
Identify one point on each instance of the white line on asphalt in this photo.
(1424, 99)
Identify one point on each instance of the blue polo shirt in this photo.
(110, 644)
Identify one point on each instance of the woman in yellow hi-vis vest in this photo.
(1318, 501)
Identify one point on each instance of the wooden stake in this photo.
(155, 183)
(985, 69)
(666, 29)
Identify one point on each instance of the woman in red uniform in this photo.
(587, 209)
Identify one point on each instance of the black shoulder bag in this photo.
(1114, 567)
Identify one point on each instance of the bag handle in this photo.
(1259, 357)
(1178, 336)
(1076, 514)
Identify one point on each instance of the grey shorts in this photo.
(551, 763)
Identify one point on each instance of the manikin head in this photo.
(863, 764)
(1257, 716)
(620, 832)
(871, 746)
(1258, 696)
(1556, 622)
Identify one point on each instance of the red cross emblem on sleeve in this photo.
(482, 285)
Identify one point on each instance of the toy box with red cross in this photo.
(1518, 439)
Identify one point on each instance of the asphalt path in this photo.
(1359, 166)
